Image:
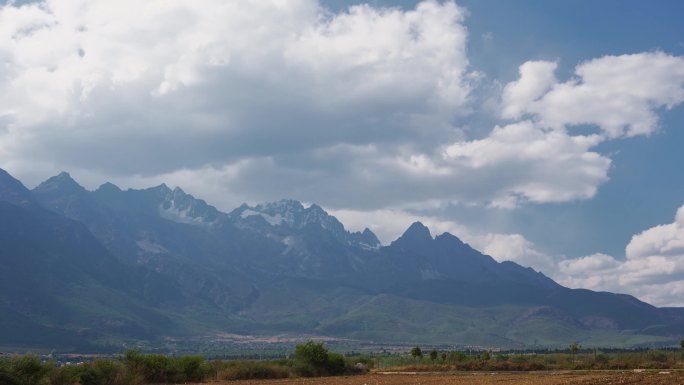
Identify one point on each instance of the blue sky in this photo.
(543, 132)
(646, 185)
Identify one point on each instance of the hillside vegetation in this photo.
(313, 359)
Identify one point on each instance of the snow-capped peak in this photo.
(178, 206)
(293, 215)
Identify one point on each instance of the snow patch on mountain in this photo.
(168, 210)
(273, 220)
(177, 206)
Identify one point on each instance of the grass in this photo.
(519, 361)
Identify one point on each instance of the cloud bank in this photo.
(653, 269)
(365, 111)
(360, 109)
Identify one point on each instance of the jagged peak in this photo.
(281, 206)
(7, 179)
(315, 207)
(417, 230)
(13, 191)
(162, 188)
(62, 182)
(369, 238)
(449, 237)
(415, 238)
(108, 186)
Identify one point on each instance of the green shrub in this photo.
(335, 364)
(313, 359)
(156, 368)
(66, 375)
(601, 359)
(366, 361)
(657, 356)
(518, 359)
(194, 368)
(312, 353)
(456, 357)
(24, 370)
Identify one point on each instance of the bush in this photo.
(155, 368)
(312, 353)
(335, 364)
(194, 368)
(366, 361)
(657, 356)
(457, 357)
(601, 359)
(519, 359)
(313, 359)
(23, 370)
(250, 370)
(66, 375)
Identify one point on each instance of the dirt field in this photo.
(613, 378)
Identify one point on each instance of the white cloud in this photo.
(357, 109)
(619, 94)
(663, 240)
(388, 225)
(536, 78)
(526, 161)
(516, 248)
(652, 271)
(224, 80)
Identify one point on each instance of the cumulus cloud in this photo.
(653, 269)
(224, 81)
(536, 78)
(516, 248)
(525, 161)
(361, 109)
(389, 224)
(619, 94)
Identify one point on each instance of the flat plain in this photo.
(533, 378)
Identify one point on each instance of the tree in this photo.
(312, 353)
(457, 356)
(416, 352)
(314, 359)
(681, 343)
(574, 347)
(486, 356)
(433, 355)
(444, 356)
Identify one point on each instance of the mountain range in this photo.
(87, 269)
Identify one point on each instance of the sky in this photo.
(546, 133)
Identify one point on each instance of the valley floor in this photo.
(537, 378)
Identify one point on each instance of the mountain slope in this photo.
(153, 229)
(56, 278)
(162, 257)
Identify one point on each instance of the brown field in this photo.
(538, 378)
